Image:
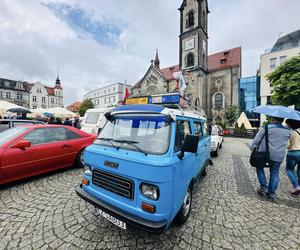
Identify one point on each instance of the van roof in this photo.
(98, 110)
(152, 108)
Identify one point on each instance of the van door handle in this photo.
(205, 145)
(66, 146)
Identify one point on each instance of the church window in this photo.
(190, 19)
(218, 101)
(190, 60)
(152, 90)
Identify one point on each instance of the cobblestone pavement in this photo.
(45, 213)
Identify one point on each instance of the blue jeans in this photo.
(291, 162)
(274, 178)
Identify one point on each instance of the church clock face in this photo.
(189, 44)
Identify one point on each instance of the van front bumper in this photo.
(137, 222)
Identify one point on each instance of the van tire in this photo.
(79, 158)
(220, 145)
(204, 172)
(185, 210)
(216, 153)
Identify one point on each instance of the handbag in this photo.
(261, 159)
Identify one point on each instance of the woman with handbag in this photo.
(273, 148)
(293, 156)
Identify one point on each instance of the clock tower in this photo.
(193, 48)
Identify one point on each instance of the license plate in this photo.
(112, 219)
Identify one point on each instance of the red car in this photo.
(31, 150)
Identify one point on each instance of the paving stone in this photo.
(45, 213)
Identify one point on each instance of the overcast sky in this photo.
(97, 42)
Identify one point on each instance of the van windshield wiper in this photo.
(132, 143)
(108, 140)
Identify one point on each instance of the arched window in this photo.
(218, 101)
(190, 19)
(152, 90)
(190, 60)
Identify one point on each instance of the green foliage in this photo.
(231, 114)
(84, 106)
(242, 128)
(285, 82)
(222, 124)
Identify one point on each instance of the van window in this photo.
(198, 128)
(182, 129)
(147, 133)
(92, 117)
(205, 129)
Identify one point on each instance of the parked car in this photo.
(31, 150)
(10, 123)
(94, 120)
(217, 136)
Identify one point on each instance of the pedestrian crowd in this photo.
(282, 141)
(66, 122)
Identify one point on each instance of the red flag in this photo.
(125, 93)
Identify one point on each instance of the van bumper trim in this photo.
(135, 221)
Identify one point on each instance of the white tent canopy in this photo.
(4, 106)
(244, 120)
(60, 112)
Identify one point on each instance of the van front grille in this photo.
(113, 183)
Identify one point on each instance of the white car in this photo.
(216, 140)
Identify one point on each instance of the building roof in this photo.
(288, 41)
(225, 59)
(75, 104)
(221, 60)
(50, 91)
(168, 72)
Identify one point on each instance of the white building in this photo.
(41, 96)
(285, 47)
(110, 95)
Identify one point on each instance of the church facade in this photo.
(212, 81)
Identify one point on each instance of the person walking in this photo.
(293, 156)
(51, 120)
(278, 140)
(67, 122)
(58, 121)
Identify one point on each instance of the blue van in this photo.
(142, 168)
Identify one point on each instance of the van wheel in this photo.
(80, 159)
(220, 145)
(185, 210)
(216, 153)
(204, 172)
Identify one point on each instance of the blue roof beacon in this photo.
(143, 167)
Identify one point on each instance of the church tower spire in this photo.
(156, 61)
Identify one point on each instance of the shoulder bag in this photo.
(261, 159)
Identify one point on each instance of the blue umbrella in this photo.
(277, 111)
(48, 114)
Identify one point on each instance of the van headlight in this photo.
(87, 170)
(150, 191)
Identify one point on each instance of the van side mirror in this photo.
(22, 144)
(190, 145)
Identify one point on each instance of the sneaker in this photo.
(295, 191)
(271, 196)
(261, 191)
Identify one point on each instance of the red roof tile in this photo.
(225, 59)
(230, 58)
(50, 91)
(75, 104)
(168, 72)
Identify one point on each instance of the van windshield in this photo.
(143, 133)
(92, 117)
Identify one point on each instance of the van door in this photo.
(202, 146)
(183, 169)
(206, 139)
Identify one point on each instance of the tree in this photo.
(285, 83)
(231, 114)
(84, 106)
